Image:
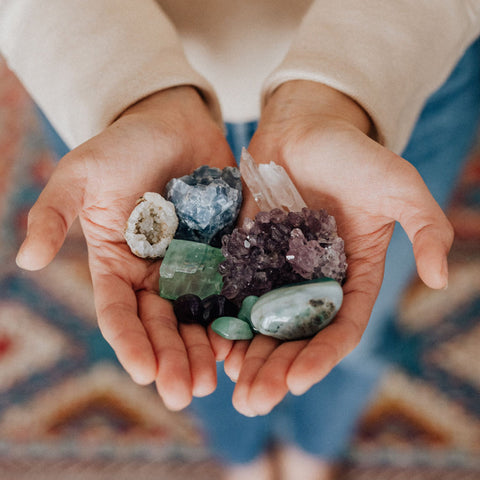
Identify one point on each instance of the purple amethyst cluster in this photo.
(279, 248)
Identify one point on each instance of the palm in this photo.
(366, 188)
(100, 181)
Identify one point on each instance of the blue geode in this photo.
(207, 203)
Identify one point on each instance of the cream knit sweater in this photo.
(85, 61)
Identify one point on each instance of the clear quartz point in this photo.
(270, 185)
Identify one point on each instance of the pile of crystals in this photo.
(279, 274)
(280, 248)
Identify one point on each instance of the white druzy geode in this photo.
(151, 226)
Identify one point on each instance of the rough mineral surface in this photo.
(279, 248)
(207, 203)
(151, 226)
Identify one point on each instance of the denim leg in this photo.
(232, 437)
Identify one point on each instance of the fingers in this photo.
(221, 346)
(262, 383)
(201, 358)
(431, 244)
(337, 340)
(50, 218)
(116, 306)
(429, 231)
(234, 360)
(173, 377)
(258, 352)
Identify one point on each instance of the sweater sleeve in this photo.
(389, 56)
(85, 61)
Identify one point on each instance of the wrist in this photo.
(305, 97)
(183, 96)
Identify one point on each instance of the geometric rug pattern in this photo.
(67, 409)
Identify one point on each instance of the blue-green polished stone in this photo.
(232, 328)
(190, 267)
(246, 308)
(297, 311)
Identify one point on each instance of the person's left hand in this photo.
(320, 136)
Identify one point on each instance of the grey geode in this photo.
(207, 203)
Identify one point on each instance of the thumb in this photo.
(431, 235)
(50, 218)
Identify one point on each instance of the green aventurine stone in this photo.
(246, 308)
(232, 328)
(297, 311)
(190, 267)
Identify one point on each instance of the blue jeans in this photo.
(323, 420)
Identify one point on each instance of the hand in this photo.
(320, 137)
(166, 135)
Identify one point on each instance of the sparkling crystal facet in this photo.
(270, 185)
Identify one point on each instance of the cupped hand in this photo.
(166, 135)
(321, 138)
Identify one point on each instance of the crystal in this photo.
(188, 308)
(151, 226)
(246, 308)
(207, 203)
(232, 328)
(191, 308)
(279, 248)
(297, 311)
(270, 185)
(190, 267)
(215, 306)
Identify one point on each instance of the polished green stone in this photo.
(297, 311)
(232, 328)
(246, 308)
(190, 267)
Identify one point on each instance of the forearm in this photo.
(85, 61)
(387, 56)
(313, 98)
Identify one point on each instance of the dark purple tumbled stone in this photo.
(188, 308)
(215, 306)
(278, 248)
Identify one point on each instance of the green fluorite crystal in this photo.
(190, 267)
(232, 328)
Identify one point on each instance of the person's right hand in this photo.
(166, 135)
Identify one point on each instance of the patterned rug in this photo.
(67, 410)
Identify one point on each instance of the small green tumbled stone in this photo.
(190, 267)
(297, 311)
(232, 328)
(246, 308)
